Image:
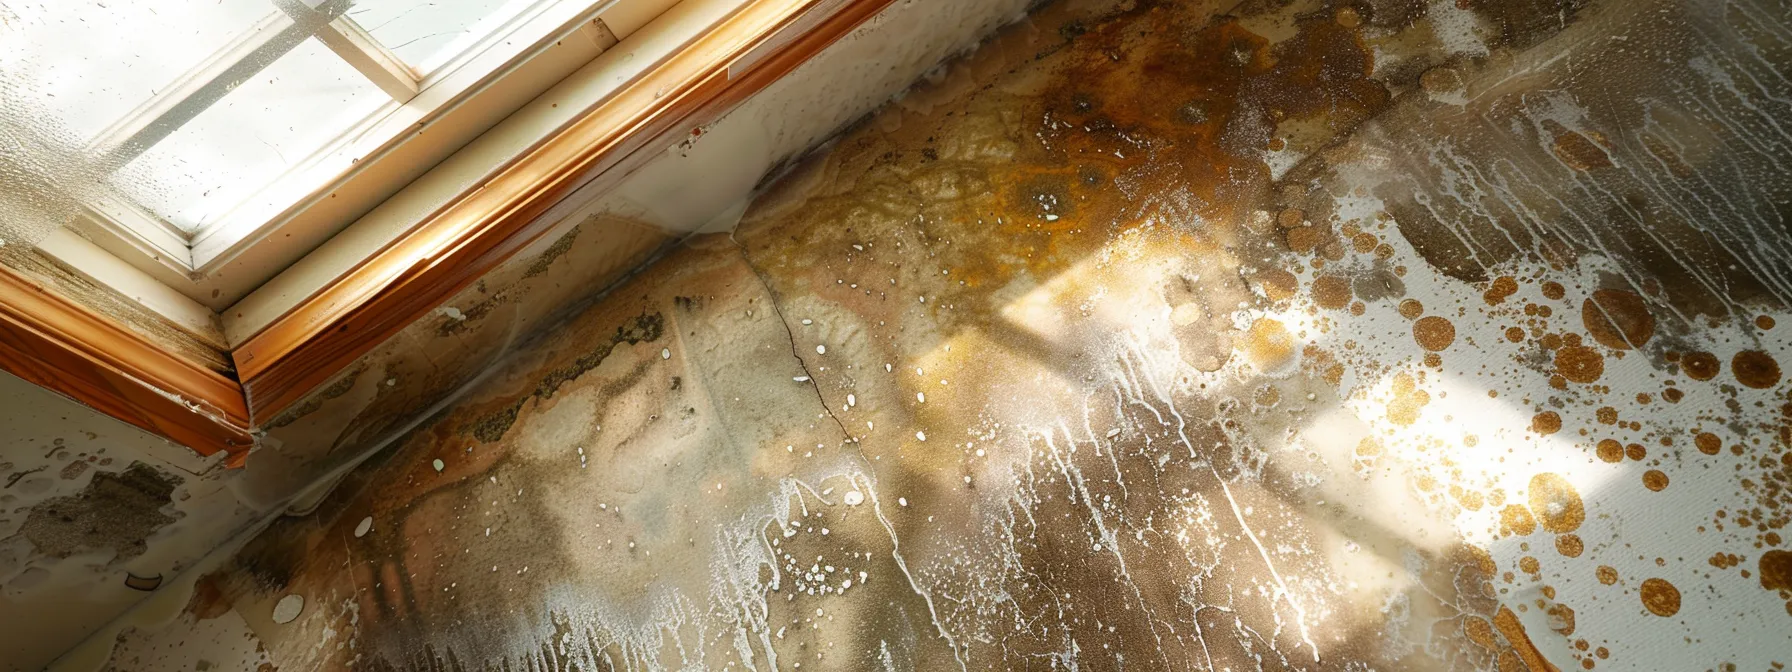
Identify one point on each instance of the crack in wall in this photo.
(808, 376)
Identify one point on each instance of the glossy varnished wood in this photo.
(61, 345)
(486, 226)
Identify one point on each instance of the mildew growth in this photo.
(1162, 335)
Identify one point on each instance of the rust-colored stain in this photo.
(1659, 597)
(1296, 337)
(1556, 503)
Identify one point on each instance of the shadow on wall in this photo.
(1138, 338)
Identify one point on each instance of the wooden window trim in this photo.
(61, 345)
(64, 346)
(486, 226)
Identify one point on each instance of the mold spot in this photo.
(116, 511)
(1700, 365)
(1660, 597)
(1433, 333)
(1556, 503)
(1617, 319)
(1755, 369)
(1579, 363)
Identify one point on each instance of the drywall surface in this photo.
(601, 238)
(603, 235)
(86, 503)
(1397, 335)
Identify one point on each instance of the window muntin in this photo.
(258, 97)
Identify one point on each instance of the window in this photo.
(203, 122)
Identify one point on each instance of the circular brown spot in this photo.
(1607, 574)
(1408, 401)
(1268, 345)
(1276, 284)
(1554, 290)
(1433, 333)
(1503, 287)
(1556, 503)
(1636, 451)
(1411, 309)
(1579, 364)
(1514, 334)
(1570, 545)
(1617, 319)
(1610, 451)
(1331, 291)
(1775, 570)
(1660, 597)
(1764, 322)
(1547, 422)
(1700, 365)
(1517, 520)
(1606, 415)
(1708, 443)
(1655, 479)
(1529, 565)
(1755, 369)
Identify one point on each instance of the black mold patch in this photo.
(116, 511)
(643, 328)
(554, 252)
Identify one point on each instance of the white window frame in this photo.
(283, 220)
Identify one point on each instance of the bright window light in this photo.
(205, 116)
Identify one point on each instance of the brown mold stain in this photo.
(1775, 570)
(1331, 291)
(1411, 309)
(645, 328)
(1433, 333)
(1700, 365)
(1546, 423)
(1408, 402)
(1607, 574)
(1660, 597)
(1617, 319)
(1515, 519)
(1655, 480)
(1577, 150)
(1556, 503)
(1502, 288)
(1513, 629)
(1570, 545)
(1756, 369)
(1609, 450)
(1579, 364)
(1268, 345)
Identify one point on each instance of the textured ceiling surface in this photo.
(1307, 335)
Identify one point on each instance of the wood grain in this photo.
(485, 227)
(61, 345)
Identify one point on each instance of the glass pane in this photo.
(85, 63)
(271, 123)
(428, 33)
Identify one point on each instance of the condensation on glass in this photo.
(166, 117)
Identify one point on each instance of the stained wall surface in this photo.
(94, 515)
(55, 595)
(1306, 335)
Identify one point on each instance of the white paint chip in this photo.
(665, 353)
(853, 498)
(362, 529)
(439, 465)
(288, 609)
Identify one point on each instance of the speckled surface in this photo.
(1168, 336)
